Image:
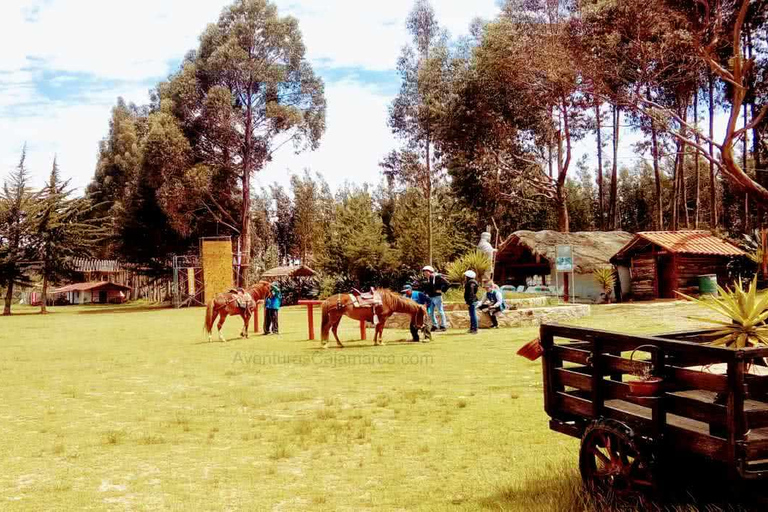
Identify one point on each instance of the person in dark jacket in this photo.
(434, 285)
(470, 297)
(419, 298)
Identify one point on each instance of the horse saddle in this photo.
(244, 299)
(365, 299)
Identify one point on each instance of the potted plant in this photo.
(606, 278)
(648, 383)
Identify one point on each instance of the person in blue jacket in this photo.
(493, 303)
(419, 298)
(271, 308)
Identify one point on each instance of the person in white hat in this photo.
(470, 297)
(434, 286)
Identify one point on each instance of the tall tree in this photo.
(65, 229)
(414, 113)
(246, 92)
(18, 245)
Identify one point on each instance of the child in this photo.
(493, 303)
(419, 298)
(271, 308)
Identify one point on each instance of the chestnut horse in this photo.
(342, 304)
(225, 304)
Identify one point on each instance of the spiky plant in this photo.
(606, 277)
(748, 311)
(475, 260)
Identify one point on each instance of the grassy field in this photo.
(126, 408)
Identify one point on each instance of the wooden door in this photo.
(665, 266)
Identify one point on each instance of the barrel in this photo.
(708, 284)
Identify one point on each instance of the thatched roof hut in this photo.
(288, 271)
(526, 254)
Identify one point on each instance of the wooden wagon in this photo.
(713, 403)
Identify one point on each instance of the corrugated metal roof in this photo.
(685, 242)
(93, 285)
(94, 265)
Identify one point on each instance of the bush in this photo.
(295, 288)
(475, 260)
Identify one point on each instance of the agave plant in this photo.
(606, 277)
(747, 310)
(474, 260)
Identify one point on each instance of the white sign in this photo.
(564, 258)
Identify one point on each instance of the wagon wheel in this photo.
(611, 460)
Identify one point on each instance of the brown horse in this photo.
(339, 305)
(225, 304)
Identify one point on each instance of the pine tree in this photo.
(64, 230)
(17, 242)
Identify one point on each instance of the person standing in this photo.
(271, 309)
(470, 297)
(493, 303)
(434, 286)
(419, 298)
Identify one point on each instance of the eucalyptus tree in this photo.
(246, 92)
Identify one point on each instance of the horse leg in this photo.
(213, 320)
(246, 320)
(335, 333)
(380, 330)
(222, 317)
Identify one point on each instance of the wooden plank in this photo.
(684, 440)
(756, 418)
(572, 355)
(574, 429)
(692, 408)
(617, 341)
(597, 377)
(547, 342)
(735, 409)
(692, 379)
(573, 379)
(574, 405)
(614, 364)
(757, 450)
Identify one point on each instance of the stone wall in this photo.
(531, 302)
(526, 317)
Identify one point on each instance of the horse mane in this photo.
(260, 289)
(398, 303)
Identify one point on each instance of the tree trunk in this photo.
(245, 211)
(44, 298)
(697, 178)
(8, 299)
(600, 197)
(713, 219)
(563, 218)
(429, 200)
(676, 189)
(745, 166)
(613, 221)
(657, 176)
(683, 186)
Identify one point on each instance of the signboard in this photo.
(564, 258)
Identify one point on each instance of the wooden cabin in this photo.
(528, 256)
(662, 263)
(94, 292)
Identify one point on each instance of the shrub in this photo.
(475, 260)
(747, 310)
(606, 277)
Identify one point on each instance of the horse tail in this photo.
(325, 325)
(208, 325)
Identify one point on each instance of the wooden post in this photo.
(311, 321)
(362, 330)
(597, 378)
(547, 342)
(566, 287)
(735, 410)
(658, 411)
(256, 317)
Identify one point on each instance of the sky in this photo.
(64, 63)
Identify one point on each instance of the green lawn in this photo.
(127, 408)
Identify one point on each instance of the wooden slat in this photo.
(574, 405)
(686, 335)
(575, 429)
(614, 364)
(572, 355)
(636, 421)
(617, 341)
(573, 379)
(688, 441)
(757, 418)
(756, 450)
(699, 410)
(692, 379)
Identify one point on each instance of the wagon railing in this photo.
(710, 404)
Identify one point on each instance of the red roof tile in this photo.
(685, 242)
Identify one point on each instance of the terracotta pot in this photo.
(531, 350)
(646, 387)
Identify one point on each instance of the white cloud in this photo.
(118, 47)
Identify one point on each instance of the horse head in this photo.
(419, 321)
